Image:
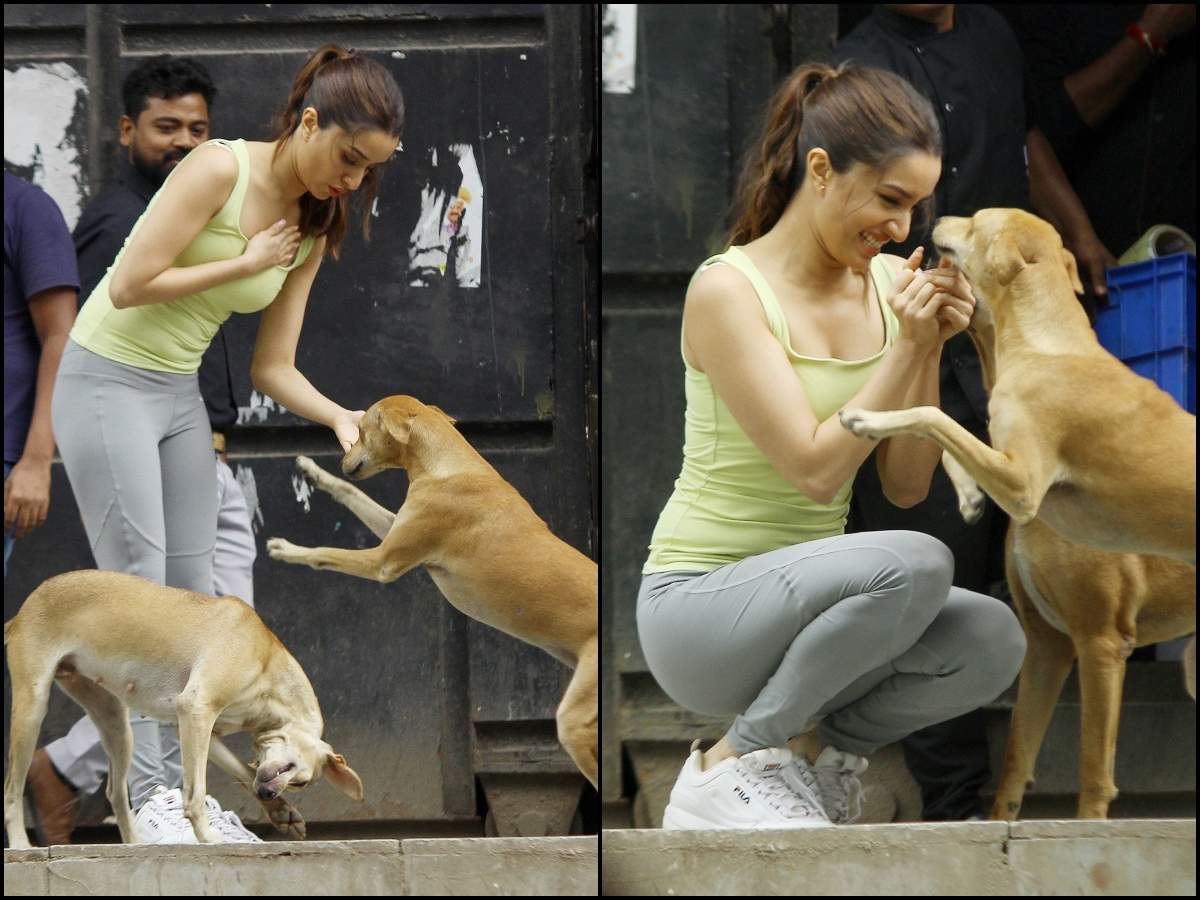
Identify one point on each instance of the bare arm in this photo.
(1099, 88)
(27, 489)
(906, 462)
(198, 188)
(273, 368)
(727, 333)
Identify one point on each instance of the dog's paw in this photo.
(970, 504)
(284, 551)
(286, 818)
(310, 470)
(862, 423)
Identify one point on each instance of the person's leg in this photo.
(189, 480)
(236, 550)
(967, 657)
(108, 419)
(773, 638)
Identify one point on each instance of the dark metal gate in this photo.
(500, 100)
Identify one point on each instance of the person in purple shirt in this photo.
(41, 287)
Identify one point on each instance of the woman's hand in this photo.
(915, 301)
(345, 426)
(957, 301)
(275, 245)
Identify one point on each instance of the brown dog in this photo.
(113, 641)
(1101, 455)
(1074, 601)
(483, 545)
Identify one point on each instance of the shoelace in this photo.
(229, 825)
(775, 790)
(841, 790)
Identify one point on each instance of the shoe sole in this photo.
(675, 819)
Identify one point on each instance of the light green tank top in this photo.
(172, 336)
(729, 501)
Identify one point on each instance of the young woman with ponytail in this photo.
(754, 604)
(238, 226)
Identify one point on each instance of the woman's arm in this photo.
(202, 183)
(727, 335)
(906, 462)
(273, 368)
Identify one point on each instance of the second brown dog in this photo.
(486, 549)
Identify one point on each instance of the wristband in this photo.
(1153, 46)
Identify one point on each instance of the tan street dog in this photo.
(1101, 455)
(483, 545)
(1074, 601)
(113, 641)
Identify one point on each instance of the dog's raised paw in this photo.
(856, 422)
(278, 548)
(308, 468)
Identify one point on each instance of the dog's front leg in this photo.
(970, 498)
(363, 563)
(196, 720)
(370, 513)
(1014, 480)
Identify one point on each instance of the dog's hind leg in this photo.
(577, 714)
(111, 718)
(1048, 660)
(31, 676)
(374, 516)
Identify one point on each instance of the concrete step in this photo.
(1104, 858)
(552, 866)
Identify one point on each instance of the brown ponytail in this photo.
(355, 93)
(855, 114)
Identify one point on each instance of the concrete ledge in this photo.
(552, 866)
(472, 866)
(1105, 858)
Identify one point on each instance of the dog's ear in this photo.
(1068, 259)
(1004, 259)
(449, 417)
(342, 777)
(398, 426)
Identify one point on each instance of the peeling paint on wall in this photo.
(448, 237)
(619, 52)
(303, 490)
(41, 101)
(260, 407)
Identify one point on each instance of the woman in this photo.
(754, 603)
(127, 411)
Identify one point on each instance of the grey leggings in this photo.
(137, 447)
(862, 632)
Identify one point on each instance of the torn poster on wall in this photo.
(619, 48)
(447, 241)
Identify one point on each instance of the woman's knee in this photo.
(994, 630)
(928, 567)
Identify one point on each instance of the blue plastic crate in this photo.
(1150, 323)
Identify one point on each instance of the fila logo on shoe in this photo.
(742, 795)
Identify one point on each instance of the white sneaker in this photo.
(160, 819)
(841, 792)
(228, 825)
(747, 791)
